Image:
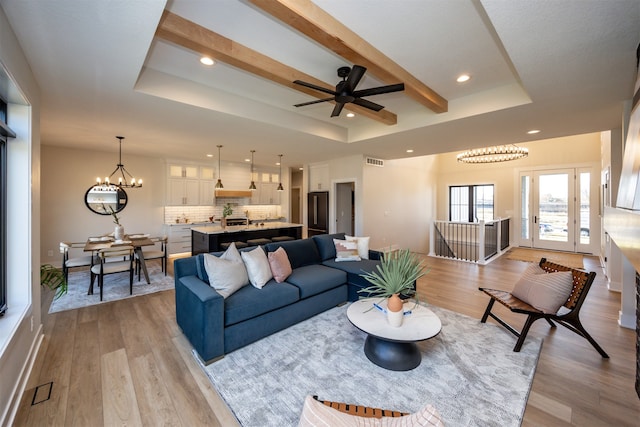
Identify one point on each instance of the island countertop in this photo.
(211, 238)
(216, 229)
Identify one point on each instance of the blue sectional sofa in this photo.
(216, 326)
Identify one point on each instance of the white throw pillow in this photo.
(346, 251)
(257, 265)
(227, 273)
(545, 291)
(363, 245)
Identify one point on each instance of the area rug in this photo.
(533, 255)
(116, 287)
(468, 372)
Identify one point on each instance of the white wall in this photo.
(68, 173)
(399, 203)
(20, 330)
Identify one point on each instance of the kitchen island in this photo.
(208, 238)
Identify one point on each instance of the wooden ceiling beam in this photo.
(315, 23)
(185, 33)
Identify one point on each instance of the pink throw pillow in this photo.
(280, 265)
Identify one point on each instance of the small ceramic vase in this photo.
(118, 233)
(395, 311)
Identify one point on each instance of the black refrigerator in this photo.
(317, 213)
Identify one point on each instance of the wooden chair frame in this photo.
(570, 319)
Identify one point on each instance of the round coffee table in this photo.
(390, 347)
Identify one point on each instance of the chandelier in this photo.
(495, 154)
(124, 178)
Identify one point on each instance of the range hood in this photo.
(221, 192)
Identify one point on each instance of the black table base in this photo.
(392, 355)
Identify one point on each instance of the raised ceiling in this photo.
(108, 68)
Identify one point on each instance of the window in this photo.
(471, 203)
(3, 225)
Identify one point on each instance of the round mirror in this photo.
(103, 199)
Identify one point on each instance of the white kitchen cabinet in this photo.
(179, 238)
(183, 192)
(183, 171)
(207, 192)
(319, 178)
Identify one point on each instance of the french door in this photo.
(558, 210)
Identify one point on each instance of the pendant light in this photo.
(280, 188)
(252, 186)
(219, 183)
(125, 179)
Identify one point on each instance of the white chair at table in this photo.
(69, 262)
(116, 259)
(154, 252)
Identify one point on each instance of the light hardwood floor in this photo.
(126, 362)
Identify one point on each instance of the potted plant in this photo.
(394, 278)
(54, 285)
(226, 211)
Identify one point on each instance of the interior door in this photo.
(557, 209)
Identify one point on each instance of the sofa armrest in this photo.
(200, 315)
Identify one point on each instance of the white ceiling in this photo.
(562, 66)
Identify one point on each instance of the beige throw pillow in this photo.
(363, 245)
(258, 267)
(317, 414)
(346, 251)
(226, 273)
(545, 291)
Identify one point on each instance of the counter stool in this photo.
(258, 242)
(239, 245)
(282, 238)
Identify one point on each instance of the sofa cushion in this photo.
(346, 251)
(249, 302)
(315, 279)
(324, 243)
(363, 245)
(258, 267)
(280, 265)
(226, 273)
(300, 252)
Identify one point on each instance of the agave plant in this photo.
(396, 274)
(53, 278)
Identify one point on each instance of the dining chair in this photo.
(154, 252)
(116, 259)
(69, 262)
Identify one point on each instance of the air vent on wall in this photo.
(373, 162)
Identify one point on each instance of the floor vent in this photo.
(42, 393)
(373, 162)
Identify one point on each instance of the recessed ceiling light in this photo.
(207, 61)
(463, 78)
(300, 169)
(350, 115)
(409, 151)
(533, 131)
(247, 160)
(209, 155)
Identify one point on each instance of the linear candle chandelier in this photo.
(125, 179)
(494, 154)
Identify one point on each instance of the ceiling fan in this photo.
(345, 90)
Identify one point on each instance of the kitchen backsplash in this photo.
(202, 213)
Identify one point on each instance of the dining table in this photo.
(94, 244)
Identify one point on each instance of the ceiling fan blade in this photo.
(368, 104)
(314, 102)
(337, 109)
(379, 90)
(357, 72)
(312, 86)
